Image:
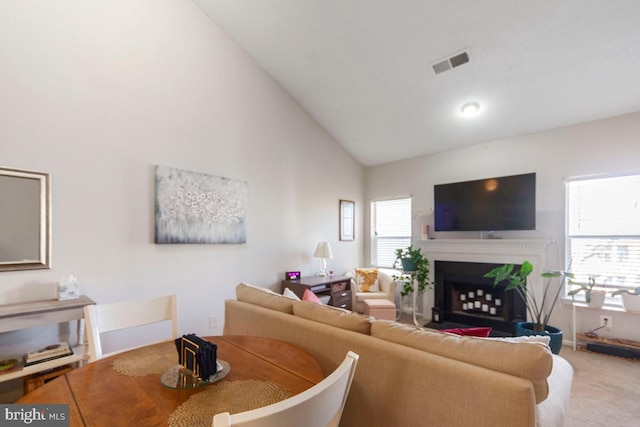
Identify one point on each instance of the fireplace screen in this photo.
(464, 296)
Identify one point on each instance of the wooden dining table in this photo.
(98, 395)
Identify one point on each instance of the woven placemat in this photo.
(226, 396)
(147, 361)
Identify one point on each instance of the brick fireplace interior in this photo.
(465, 298)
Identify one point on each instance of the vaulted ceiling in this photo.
(363, 68)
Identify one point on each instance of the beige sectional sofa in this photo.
(407, 376)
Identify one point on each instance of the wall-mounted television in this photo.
(502, 203)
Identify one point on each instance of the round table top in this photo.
(100, 396)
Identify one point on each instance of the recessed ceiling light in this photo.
(470, 109)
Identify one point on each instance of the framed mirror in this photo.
(25, 220)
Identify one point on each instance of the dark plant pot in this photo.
(526, 329)
(407, 264)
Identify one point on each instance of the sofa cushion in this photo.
(289, 293)
(531, 361)
(367, 280)
(311, 297)
(265, 298)
(333, 316)
(470, 332)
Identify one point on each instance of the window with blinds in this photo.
(390, 230)
(603, 231)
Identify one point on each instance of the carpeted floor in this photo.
(605, 391)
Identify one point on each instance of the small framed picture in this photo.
(292, 275)
(347, 219)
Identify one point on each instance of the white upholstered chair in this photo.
(387, 290)
(319, 406)
(101, 318)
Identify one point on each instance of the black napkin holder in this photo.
(197, 355)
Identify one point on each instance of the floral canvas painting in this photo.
(195, 207)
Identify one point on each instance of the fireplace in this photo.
(464, 296)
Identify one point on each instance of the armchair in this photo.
(386, 289)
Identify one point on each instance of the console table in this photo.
(14, 317)
(338, 288)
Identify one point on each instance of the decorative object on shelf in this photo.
(68, 289)
(7, 364)
(630, 298)
(193, 207)
(292, 275)
(424, 221)
(323, 250)
(50, 352)
(538, 311)
(347, 219)
(593, 297)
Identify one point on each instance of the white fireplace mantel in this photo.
(499, 251)
(496, 251)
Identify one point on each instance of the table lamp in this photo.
(323, 250)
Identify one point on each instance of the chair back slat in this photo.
(319, 406)
(101, 318)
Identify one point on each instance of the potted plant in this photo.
(414, 267)
(539, 312)
(630, 298)
(594, 298)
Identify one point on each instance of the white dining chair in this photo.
(102, 318)
(319, 406)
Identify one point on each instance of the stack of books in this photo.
(50, 352)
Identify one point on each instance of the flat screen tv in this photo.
(503, 203)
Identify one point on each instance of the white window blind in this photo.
(390, 230)
(603, 230)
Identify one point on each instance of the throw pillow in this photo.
(538, 339)
(289, 293)
(471, 332)
(367, 280)
(311, 297)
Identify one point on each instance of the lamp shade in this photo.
(323, 250)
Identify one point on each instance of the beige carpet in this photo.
(605, 391)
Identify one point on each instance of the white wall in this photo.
(599, 147)
(98, 92)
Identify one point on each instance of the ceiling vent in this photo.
(452, 62)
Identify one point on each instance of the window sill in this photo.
(607, 307)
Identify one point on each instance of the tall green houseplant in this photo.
(414, 267)
(539, 310)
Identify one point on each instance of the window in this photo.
(603, 230)
(390, 230)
